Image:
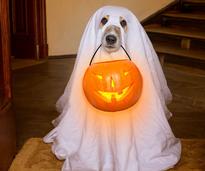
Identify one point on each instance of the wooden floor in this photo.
(37, 88)
(23, 63)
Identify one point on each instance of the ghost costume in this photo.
(136, 139)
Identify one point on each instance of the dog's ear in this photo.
(123, 23)
(104, 20)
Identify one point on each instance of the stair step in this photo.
(191, 16)
(173, 31)
(193, 1)
(170, 49)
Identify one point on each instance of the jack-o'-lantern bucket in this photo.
(112, 85)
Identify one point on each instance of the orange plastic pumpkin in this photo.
(112, 86)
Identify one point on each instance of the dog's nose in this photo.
(111, 39)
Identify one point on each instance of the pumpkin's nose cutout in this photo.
(112, 83)
(111, 39)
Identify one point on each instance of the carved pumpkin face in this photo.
(112, 86)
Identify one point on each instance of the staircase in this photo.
(178, 34)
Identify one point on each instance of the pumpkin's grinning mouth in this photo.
(114, 96)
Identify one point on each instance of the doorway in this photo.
(28, 29)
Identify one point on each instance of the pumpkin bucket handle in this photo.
(100, 47)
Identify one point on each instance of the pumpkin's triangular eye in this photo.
(100, 77)
(126, 73)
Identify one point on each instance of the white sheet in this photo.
(136, 139)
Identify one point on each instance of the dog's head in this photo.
(112, 34)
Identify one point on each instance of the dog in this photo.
(112, 37)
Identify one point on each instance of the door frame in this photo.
(5, 47)
(7, 119)
(40, 48)
(40, 29)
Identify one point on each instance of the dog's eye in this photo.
(104, 20)
(123, 23)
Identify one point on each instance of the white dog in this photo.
(136, 139)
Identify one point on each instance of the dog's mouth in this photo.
(110, 46)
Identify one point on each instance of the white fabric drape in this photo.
(136, 139)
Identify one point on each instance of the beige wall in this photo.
(66, 19)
